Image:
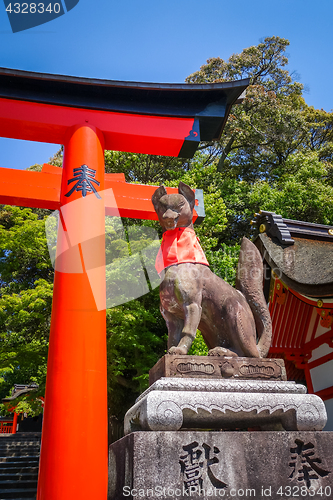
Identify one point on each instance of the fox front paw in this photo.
(177, 350)
(221, 351)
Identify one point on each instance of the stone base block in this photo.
(239, 465)
(216, 367)
(171, 404)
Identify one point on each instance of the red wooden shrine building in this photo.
(17, 420)
(298, 260)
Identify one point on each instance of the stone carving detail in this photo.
(216, 367)
(196, 461)
(305, 465)
(254, 370)
(218, 385)
(185, 408)
(169, 413)
(251, 465)
(306, 412)
(206, 368)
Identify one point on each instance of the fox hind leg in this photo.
(245, 334)
(238, 331)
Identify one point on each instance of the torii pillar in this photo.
(77, 351)
(88, 116)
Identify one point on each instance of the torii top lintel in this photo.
(153, 118)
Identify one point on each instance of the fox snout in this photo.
(170, 214)
(170, 218)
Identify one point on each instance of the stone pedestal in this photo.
(175, 459)
(194, 464)
(171, 404)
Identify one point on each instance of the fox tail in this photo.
(249, 281)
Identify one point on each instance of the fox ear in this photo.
(187, 192)
(161, 191)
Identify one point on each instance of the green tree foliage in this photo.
(144, 169)
(303, 194)
(320, 138)
(23, 250)
(136, 332)
(136, 339)
(26, 278)
(269, 125)
(275, 152)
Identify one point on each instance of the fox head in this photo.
(174, 210)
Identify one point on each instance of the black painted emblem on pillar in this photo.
(84, 179)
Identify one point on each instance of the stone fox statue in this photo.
(193, 297)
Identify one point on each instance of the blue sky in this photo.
(165, 41)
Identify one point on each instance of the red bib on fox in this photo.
(178, 246)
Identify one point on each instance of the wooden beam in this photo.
(26, 188)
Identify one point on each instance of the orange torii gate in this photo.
(88, 116)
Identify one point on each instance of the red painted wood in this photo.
(277, 315)
(5, 428)
(286, 313)
(29, 189)
(52, 169)
(325, 338)
(326, 394)
(321, 361)
(304, 326)
(312, 302)
(308, 379)
(315, 326)
(289, 324)
(42, 190)
(122, 131)
(298, 326)
(14, 423)
(285, 350)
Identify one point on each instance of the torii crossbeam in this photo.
(88, 116)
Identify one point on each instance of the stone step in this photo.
(26, 484)
(18, 444)
(22, 435)
(13, 442)
(35, 446)
(19, 464)
(19, 460)
(6, 443)
(21, 476)
(19, 437)
(13, 439)
(19, 453)
(27, 458)
(18, 469)
(18, 493)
